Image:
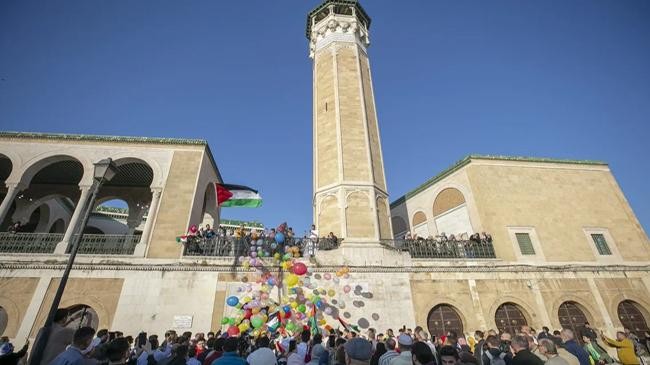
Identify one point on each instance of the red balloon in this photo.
(233, 331)
(248, 313)
(299, 268)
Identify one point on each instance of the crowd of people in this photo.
(328, 346)
(477, 245)
(228, 241)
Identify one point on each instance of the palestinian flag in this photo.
(313, 324)
(348, 327)
(229, 195)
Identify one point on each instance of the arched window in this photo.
(4, 320)
(510, 318)
(450, 212)
(572, 317)
(444, 318)
(632, 318)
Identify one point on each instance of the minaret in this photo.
(350, 197)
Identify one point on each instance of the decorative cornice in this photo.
(337, 28)
(99, 138)
(315, 13)
(458, 165)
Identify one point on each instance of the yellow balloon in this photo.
(292, 279)
(331, 292)
(243, 327)
(246, 299)
(294, 305)
(322, 322)
(255, 310)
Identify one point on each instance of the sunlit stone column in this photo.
(74, 221)
(148, 226)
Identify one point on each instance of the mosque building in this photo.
(539, 242)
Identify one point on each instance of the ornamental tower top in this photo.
(337, 20)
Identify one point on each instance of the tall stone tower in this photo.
(350, 197)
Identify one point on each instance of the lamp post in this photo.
(104, 171)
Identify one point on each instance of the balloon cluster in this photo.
(255, 311)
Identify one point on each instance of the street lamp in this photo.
(104, 171)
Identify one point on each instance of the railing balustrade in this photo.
(435, 249)
(233, 246)
(29, 242)
(107, 244)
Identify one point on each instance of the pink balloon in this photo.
(347, 288)
(299, 268)
(327, 276)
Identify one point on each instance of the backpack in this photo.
(496, 360)
(308, 354)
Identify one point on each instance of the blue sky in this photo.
(557, 78)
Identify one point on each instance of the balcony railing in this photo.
(29, 242)
(232, 246)
(434, 249)
(108, 244)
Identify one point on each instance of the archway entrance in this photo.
(444, 318)
(572, 317)
(83, 316)
(632, 318)
(509, 318)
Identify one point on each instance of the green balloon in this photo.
(225, 320)
(257, 322)
(291, 326)
(231, 321)
(302, 308)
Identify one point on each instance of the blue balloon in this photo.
(279, 237)
(286, 309)
(232, 301)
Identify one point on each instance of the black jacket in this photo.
(525, 357)
(14, 357)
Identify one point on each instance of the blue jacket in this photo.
(229, 358)
(577, 351)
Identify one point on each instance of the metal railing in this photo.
(107, 244)
(233, 246)
(29, 242)
(434, 249)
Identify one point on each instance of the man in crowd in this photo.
(7, 354)
(478, 348)
(390, 353)
(570, 344)
(494, 354)
(405, 343)
(230, 355)
(449, 356)
(548, 349)
(81, 340)
(624, 348)
(523, 356)
(117, 351)
(422, 354)
(263, 354)
(358, 351)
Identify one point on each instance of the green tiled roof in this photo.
(469, 158)
(99, 138)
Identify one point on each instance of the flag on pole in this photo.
(313, 324)
(348, 327)
(229, 195)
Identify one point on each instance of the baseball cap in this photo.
(358, 349)
(405, 340)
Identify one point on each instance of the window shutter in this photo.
(525, 244)
(601, 244)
